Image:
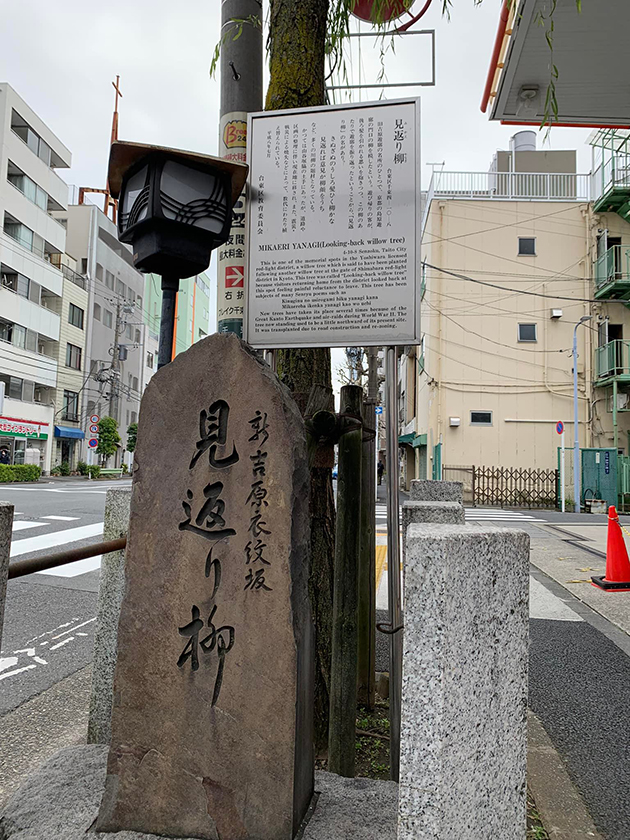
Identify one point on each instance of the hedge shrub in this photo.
(94, 470)
(19, 472)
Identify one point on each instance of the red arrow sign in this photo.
(234, 276)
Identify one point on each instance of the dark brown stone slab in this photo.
(212, 720)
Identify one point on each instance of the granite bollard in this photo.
(464, 688)
(212, 718)
(6, 530)
(425, 490)
(110, 593)
(444, 513)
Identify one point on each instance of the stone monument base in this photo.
(62, 799)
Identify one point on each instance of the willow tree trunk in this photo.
(297, 32)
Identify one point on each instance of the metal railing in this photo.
(60, 558)
(613, 173)
(613, 265)
(510, 186)
(613, 359)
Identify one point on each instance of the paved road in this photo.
(49, 619)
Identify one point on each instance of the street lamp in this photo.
(175, 208)
(576, 433)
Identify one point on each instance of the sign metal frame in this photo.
(363, 340)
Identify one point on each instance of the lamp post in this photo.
(576, 433)
(175, 209)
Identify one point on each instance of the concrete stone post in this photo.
(464, 692)
(110, 593)
(443, 513)
(423, 490)
(6, 527)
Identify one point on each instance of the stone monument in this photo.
(212, 718)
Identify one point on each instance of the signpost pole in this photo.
(562, 484)
(393, 561)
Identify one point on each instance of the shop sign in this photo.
(22, 428)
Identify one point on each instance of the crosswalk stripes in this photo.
(53, 539)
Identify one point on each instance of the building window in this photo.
(134, 417)
(27, 186)
(17, 283)
(150, 360)
(527, 332)
(137, 337)
(73, 356)
(139, 301)
(75, 316)
(110, 280)
(97, 312)
(134, 384)
(99, 271)
(31, 138)
(527, 246)
(481, 418)
(70, 406)
(129, 332)
(121, 289)
(107, 318)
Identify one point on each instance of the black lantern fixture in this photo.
(175, 208)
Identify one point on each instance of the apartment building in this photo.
(32, 283)
(513, 259)
(192, 313)
(117, 339)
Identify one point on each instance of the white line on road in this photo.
(72, 629)
(18, 671)
(61, 644)
(56, 538)
(24, 526)
(62, 518)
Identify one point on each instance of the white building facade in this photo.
(31, 241)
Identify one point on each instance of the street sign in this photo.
(334, 218)
(559, 427)
(94, 429)
(92, 443)
(94, 418)
(379, 409)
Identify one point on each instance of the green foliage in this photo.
(108, 437)
(94, 471)
(234, 32)
(125, 469)
(82, 468)
(132, 437)
(19, 472)
(64, 468)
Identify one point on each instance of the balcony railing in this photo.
(612, 267)
(511, 186)
(612, 174)
(613, 359)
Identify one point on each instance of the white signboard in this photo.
(334, 222)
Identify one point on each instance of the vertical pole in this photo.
(562, 486)
(576, 433)
(170, 287)
(614, 414)
(241, 92)
(6, 527)
(115, 383)
(367, 568)
(393, 561)
(343, 672)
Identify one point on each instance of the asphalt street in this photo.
(49, 619)
(579, 661)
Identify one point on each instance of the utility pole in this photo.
(241, 93)
(114, 393)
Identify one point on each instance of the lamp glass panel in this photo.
(193, 197)
(133, 188)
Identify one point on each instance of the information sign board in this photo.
(334, 219)
(92, 443)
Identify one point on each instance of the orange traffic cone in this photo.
(617, 577)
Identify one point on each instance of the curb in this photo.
(561, 808)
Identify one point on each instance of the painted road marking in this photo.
(18, 671)
(24, 526)
(62, 518)
(56, 538)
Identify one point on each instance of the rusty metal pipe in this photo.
(50, 561)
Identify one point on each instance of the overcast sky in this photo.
(62, 56)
